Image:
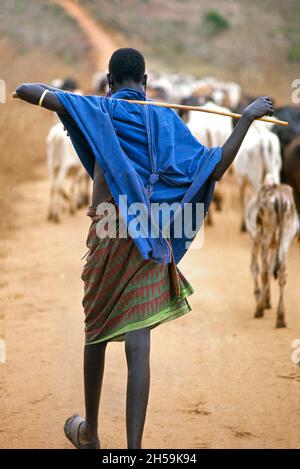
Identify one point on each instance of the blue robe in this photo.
(145, 152)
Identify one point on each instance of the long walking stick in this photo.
(201, 109)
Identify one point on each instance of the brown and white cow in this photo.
(273, 222)
(258, 156)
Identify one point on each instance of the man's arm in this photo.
(32, 92)
(259, 108)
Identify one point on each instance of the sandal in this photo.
(71, 429)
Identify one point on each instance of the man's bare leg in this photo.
(137, 347)
(94, 359)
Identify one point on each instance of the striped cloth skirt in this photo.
(123, 292)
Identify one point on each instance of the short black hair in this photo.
(127, 64)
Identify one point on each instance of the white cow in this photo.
(64, 166)
(211, 130)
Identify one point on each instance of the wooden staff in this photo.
(201, 109)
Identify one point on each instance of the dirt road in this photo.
(103, 41)
(226, 380)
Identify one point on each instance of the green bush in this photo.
(294, 54)
(214, 23)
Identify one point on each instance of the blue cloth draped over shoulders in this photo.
(146, 153)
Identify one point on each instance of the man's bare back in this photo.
(101, 191)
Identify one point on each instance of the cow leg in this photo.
(209, 218)
(255, 269)
(267, 289)
(272, 262)
(83, 195)
(86, 196)
(74, 187)
(218, 199)
(86, 190)
(72, 199)
(79, 198)
(60, 194)
(282, 281)
(261, 304)
(52, 172)
(268, 304)
(50, 211)
(55, 204)
(83, 198)
(242, 202)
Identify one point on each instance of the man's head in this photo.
(126, 68)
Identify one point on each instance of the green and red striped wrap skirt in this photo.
(123, 292)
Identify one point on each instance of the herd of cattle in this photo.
(268, 162)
